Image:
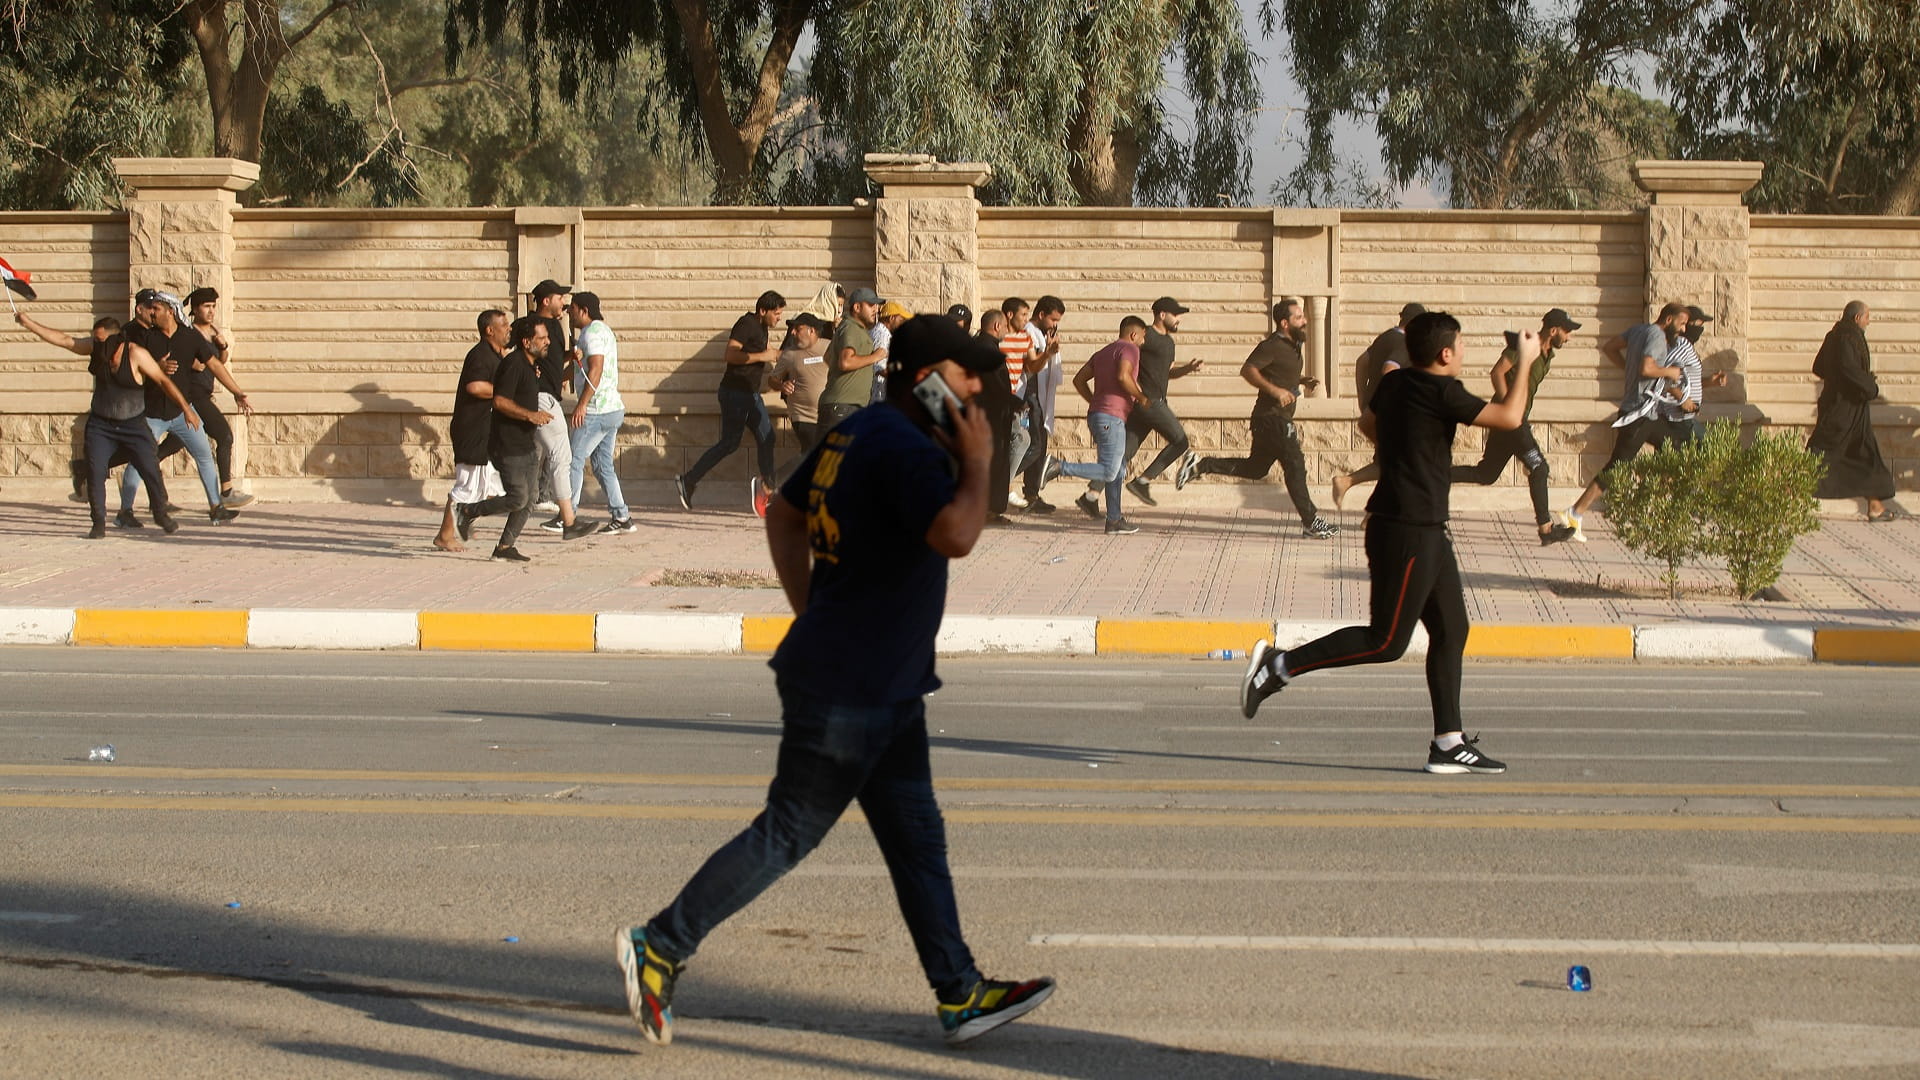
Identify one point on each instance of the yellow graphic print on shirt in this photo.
(822, 529)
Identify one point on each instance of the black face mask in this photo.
(1694, 332)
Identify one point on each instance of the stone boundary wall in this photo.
(349, 325)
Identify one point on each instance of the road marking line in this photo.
(212, 715)
(42, 917)
(977, 815)
(1415, 784)
(1738, 759)
(1774, 950)
(1716, 692)
(202, 676)
(1401, 731)
(1605, 710)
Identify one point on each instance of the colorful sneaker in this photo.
(991, 1004)
(649, 978)
(1462, 759)
(1189, 468)
(759, 495)
(1259, 683)
(1571, 522)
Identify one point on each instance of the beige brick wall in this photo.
(349, 325)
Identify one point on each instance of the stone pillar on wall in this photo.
(1305, 264)
(551, 244)
(180, 238)
(1697, 230)
(926, 227)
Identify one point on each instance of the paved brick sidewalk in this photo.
(1210, 563)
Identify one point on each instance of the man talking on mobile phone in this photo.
(860, 536)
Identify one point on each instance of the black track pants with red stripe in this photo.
(1414, 579)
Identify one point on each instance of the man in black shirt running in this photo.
(1412, 419)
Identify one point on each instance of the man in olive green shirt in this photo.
(850, 359)
(1555, 328)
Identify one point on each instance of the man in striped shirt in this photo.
(1684, 413)
(1022, 354)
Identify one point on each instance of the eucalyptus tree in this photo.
(1826, 93)
(1509, 103)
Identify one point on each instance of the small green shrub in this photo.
(1746, 504)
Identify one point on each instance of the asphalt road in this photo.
(1733, 851)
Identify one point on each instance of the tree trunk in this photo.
(1104, 164)
(1904, 196)
(735, 146)
(207, 20)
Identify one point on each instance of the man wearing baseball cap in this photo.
(1157, 417)
(743, 409)
(852, 351)
(892, 314)
(800, 374)
(1555, 328)
(860, 536)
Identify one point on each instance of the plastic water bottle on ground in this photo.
(101, 753)
(1227, 654)
(1579, 979)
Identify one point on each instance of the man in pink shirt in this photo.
(1110, 382)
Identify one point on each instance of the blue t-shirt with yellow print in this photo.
(870, 491)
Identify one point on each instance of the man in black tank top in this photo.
(1412, 417)
(117, 430)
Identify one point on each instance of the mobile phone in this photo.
(1513, 340)
(938, 399)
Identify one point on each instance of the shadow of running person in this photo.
(386, 451)
(506, 1011)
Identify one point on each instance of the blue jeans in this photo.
(1110, 441)
(595, 437)
(830, 755)
(196, 443)
(740, 412)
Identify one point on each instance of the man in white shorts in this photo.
(474, 478)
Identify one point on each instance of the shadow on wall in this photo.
(387, 446)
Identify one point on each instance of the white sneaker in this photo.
(1572, 523)
(1014, 498)
(548, 507)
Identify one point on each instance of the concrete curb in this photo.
(708, 634)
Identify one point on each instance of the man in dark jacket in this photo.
(1843, 428)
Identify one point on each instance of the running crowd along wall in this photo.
(349, 326)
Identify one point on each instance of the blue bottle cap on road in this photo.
(1579, 979)
(511, 939)
(233, 903)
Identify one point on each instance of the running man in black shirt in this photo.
(742, 408)
(1412, 418)
(1275, 369)
(197, 380)
(1157, 417)
(474, 477)
(1503, 446)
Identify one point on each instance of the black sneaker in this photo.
(1038, 505)
(581, 528)
(98, 532)
(125, 520)
(1555, 534)
(80, 481)
(509, 554)
(1321, 529)
(1189, 468)
(685, 491)
(649, 978)
(553, 524)
(1259, 683)
(1089, 506)
(990, 1004)
(1461, 759)
(220, 515)
(1051, 470)
(1121, 527)
(463, 521)
(166, 522)
(621, 525)
(1139, 490)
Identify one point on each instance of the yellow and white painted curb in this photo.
(695, 633)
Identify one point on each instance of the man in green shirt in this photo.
(1555, 328)
(850, 357)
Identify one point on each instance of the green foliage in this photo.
(314, 146)
(1654, 508)
(1714, 496)
(1826, 92)
(82, 82)
(1761, 500)
(1508, 105)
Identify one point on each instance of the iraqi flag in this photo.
(18, 280)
